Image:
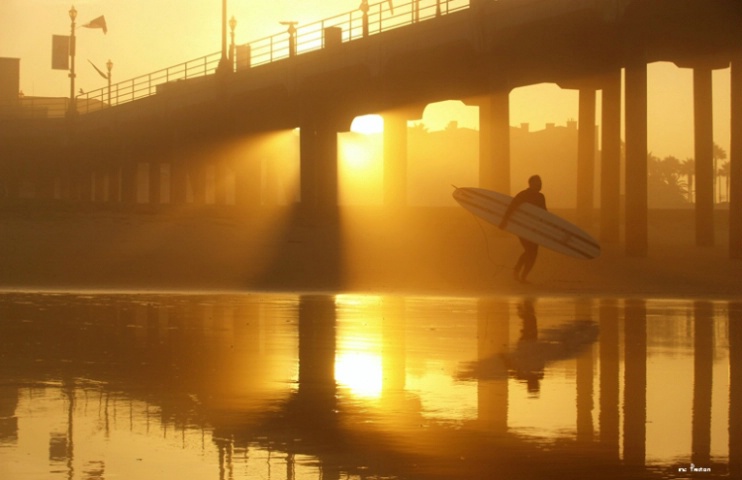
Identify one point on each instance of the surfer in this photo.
(533, 195)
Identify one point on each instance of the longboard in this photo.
(530, 222)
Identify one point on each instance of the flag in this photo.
(60, 52)
(99, 22)
(98, 70)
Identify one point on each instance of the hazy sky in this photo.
(148, 35)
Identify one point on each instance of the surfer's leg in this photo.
(520, 269)
(522, 260)
(519, 266)
(530, 259)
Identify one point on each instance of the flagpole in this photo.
(72, 108)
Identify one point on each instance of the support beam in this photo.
(703, 374)
(609, 365)
(735, 389)
(86, 184)
(319, 169)
(635, 381)
(99, 185)
(114, 182)
(636, 160)
(586, 157)
(610, 170)
(155, 183)
(317, 342)
(584, 376)
(735, 160)
(247, 169)
(197, 179)
(129, 182)
(221, 182)
(704, 153)
(178, 181)
(494, 141)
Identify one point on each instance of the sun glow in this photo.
(356, 157)
(360, 169)
(359, 371)
(367, 124)
(358, 361)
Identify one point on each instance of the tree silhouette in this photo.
(724, 172)
(666, 188)
(719, 154)
(688, 168)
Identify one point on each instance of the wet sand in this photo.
(317, 386)
(422, 250)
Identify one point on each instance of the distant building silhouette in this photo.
(440, 158)
(552, 153)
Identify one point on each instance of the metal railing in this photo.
(308, 38)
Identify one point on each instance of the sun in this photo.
(360, 371)
(367, 124)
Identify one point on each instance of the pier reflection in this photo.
(360, 386)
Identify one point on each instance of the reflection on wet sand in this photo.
(358, 386)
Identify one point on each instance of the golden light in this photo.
(367, 124)
(360, 371)
(358, 362)
(356, 157)
(360, 169)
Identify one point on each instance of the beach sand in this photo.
(440, 251)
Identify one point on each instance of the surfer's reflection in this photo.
(535, 349)
(526, 363)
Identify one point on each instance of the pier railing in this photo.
(381, 17)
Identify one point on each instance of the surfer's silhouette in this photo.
(533, 195)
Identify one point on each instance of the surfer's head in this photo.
(535, 183)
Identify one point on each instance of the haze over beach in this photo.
(143, 37)
(147, 36)
(209, 277)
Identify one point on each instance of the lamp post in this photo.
(223, 66)
(232, 26)
(364, 8)
(72, 108)
(109, 67)
(292, 36)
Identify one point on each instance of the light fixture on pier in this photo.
(232, 26)
(224, 66)
(292, 36)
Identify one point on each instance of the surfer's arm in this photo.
(511, 208)
(505, 219)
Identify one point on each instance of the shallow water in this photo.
(283, 386)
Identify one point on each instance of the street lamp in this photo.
(109, 66)
(232, 26)
(73, 108)
(364, 19)
(223, 66)
(292, 36)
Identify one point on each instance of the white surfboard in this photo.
(530, 222)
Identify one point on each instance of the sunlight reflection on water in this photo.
(147, 386)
